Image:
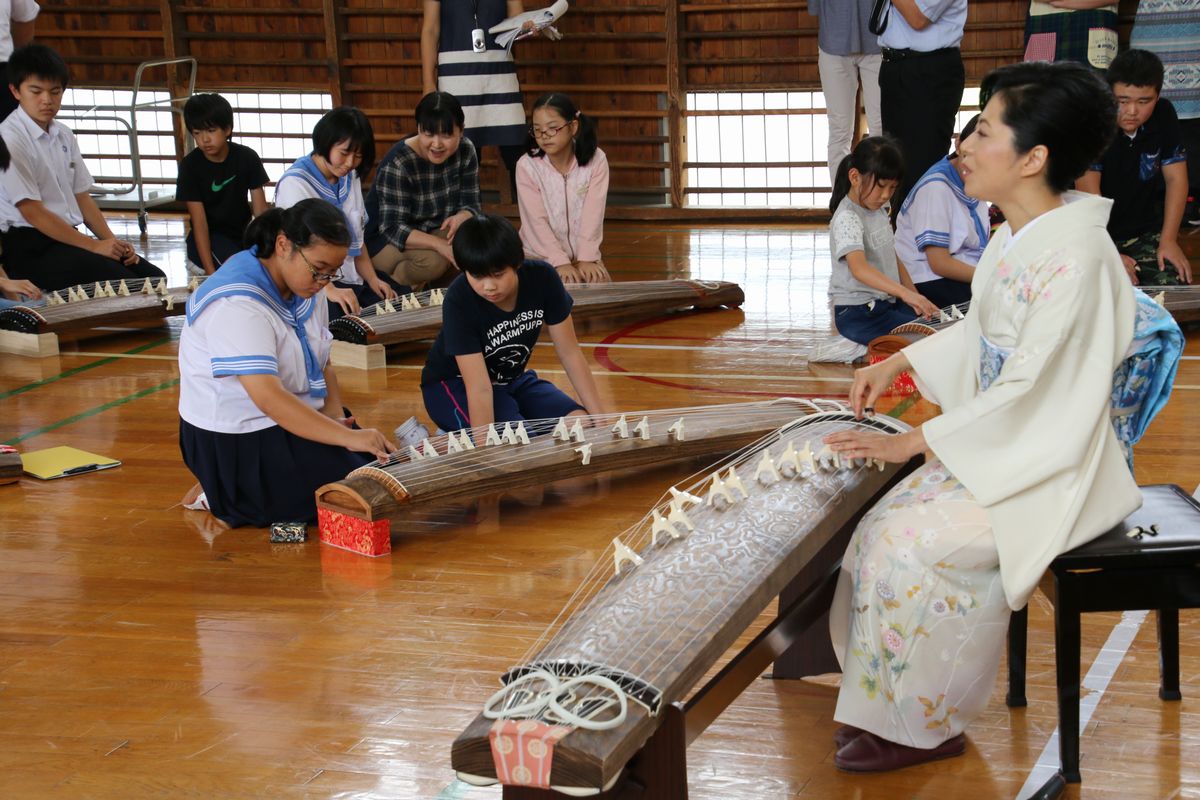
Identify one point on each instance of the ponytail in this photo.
(302, 223)
(585, 137)
(877, 158)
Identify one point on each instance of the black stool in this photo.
(1156, 569)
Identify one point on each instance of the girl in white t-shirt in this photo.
(261, 418)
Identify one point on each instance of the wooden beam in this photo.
(676, 102)
(335, 52)
(174, 46)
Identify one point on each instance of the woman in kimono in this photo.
(1022, 464)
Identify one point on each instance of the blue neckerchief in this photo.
(305, 169)
(945, 172)
(243, 275)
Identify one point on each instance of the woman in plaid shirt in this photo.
(427, 185)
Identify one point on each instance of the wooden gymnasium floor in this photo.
(144, 653)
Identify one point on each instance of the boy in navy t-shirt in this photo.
(476, 373)
(1144, 172)
(214, 179)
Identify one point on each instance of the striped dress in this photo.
(485, 83)
(1171, 30)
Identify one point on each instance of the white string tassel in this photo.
(493, 438)
(678, 517)
(436, 297)
(560, 431)
(719, 496)
(766, 473)
(660, 525)
(734, 481)
(682, 497)
(414, 454)
(586, 452)
(428, 449)
(520, 434)
(464, 440)
(621, 554)
(643, 429)
(621, 429)
(676, 430)
(577, 432)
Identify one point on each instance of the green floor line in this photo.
(83, 368)
(91, 412)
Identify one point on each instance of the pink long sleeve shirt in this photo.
(562, 216)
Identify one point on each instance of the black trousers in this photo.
(919, 96)
(31, 255)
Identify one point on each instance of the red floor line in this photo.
(603, 358)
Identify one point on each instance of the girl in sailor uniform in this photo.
(261, 418)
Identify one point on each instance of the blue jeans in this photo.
(528, 397)
(871, 320)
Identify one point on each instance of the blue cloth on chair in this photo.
(1142, 383)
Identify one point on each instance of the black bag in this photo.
(879, 16)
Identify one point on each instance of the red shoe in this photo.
(870, 753)
(845, 735)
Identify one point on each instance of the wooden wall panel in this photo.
(627, 62)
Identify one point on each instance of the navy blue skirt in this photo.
(265, 476)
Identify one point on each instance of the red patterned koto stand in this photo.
(354, 534)
(902, 386)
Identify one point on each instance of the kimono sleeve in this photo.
(1038, 418)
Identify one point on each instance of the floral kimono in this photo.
(1025, 465)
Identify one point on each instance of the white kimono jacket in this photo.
(1025, 382)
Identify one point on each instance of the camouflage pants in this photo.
(1144, 250)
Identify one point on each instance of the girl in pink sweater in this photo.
(562, 186)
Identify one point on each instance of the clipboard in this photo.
(62, 462)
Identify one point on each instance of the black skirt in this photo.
(264, 476)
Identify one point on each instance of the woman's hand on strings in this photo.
(920, 304)
(569, 273)
(344, 298)
(893, 448)
(369, 440)
(870, 382)
(593, 272)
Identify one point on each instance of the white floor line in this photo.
(1097, 678)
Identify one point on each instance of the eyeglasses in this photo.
(546, 133)
(319, 277)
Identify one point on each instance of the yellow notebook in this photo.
(60, 462)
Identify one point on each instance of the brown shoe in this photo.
(870, 753)
(845, 735)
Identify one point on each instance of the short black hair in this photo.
(345, 124)
(37, 61)
(1136, 68)
(1063, 106)
(204, 111)
(487, 244)
(439, 113)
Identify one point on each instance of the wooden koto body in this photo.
(72, 312)
(420, 316)
(658, 626)
(378, 491)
